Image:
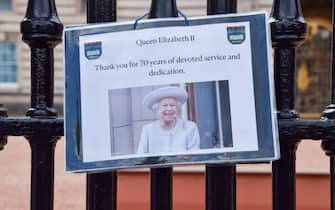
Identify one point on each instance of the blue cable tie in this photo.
(146, 14)
(138, 19)
(184, 16)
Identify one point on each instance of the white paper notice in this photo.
(160, 56)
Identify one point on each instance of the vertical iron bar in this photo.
(333, 60)
(329, 148)
(101, 191)
(163, 9)
(101, 11)
(42, 175)
(42, 31)
(161, 178)
(332, 182)
(221, 6)
(101, 188)
(3, 139)
(288, 28)
(221, 179)
(329, 113)
(161, 188)
(283, 178)
(220, 187)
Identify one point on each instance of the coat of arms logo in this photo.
(236, 34)
(93, 50)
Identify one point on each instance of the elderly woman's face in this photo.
(167, 109)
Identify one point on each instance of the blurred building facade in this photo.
(15, 54)
(313, 68)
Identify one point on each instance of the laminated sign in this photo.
(168, 92)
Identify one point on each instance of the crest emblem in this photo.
(236, 34)
(93, 50)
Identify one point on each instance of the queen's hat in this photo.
(154, 97)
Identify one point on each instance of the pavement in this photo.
(15, 179)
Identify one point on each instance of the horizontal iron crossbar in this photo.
(288, 129)
(307, 129)
(31, 127)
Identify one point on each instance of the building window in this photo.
(5, 4)
(8, 66)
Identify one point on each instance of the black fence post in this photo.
(221, 179)
(220, 187)
(163, 9)
(99, 11)
(221, 7)
(101, 188)
(329, 145)
(42, 31)
(3, 139)
(288, 29)
(161, 178)
(161, 188)
(101, 191)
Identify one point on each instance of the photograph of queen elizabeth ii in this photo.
(169, 133)
(168, 119)
(151, 120)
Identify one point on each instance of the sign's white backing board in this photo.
(209, 87)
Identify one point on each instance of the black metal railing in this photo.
(42, 30)
(101, 188)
